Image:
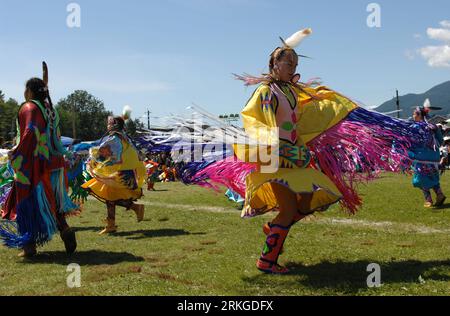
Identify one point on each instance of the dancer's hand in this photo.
(295, 78)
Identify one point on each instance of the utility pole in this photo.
(74, 128)
(13, 124)
(148, 119)
(398, 105)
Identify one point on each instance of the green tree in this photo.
(8, 116)
(82, 116)
(132, 126)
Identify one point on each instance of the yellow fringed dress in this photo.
(117, 172)
(300, 114)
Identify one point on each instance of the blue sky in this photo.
(167, 54)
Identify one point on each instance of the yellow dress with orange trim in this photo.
(117, 172)
(300, 114)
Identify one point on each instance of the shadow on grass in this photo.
(91, 257)
(88, 228)
(443, 207)
(352, 277)
(142, 234)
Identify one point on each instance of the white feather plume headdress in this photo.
(126, 113)
(295, 39)
(427, 105)
(290, 43)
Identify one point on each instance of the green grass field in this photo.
(193, 242)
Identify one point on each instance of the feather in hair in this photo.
(295, 39)
(126, 114)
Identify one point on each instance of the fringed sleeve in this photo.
(260, 125)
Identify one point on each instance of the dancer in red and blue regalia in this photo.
(38, 203)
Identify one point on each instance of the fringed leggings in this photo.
(427, 193)
(61, 222)
(111, 207)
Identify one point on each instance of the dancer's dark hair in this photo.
(40, 90)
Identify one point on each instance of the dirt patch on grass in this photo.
(156, 261)
(136, 269)
(216, 251)
(208, 242)
(161, 264)
(406, 245)
(193, 248)
(164, 276)
(103, 273)
(152, 258)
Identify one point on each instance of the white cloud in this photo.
(445, 24)
(417, 36)
(438, 56)
(439, 34)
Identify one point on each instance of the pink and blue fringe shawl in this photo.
(356, 150)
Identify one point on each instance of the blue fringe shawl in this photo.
(63, 202)
(34, 222)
